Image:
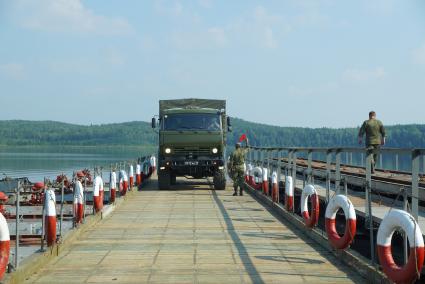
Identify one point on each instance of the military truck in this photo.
(192, 140)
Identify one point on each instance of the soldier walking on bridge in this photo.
(375, 136)
(237, 163)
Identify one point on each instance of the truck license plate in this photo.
(191, 163)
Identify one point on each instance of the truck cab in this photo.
(192, 140)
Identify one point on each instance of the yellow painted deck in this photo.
(193, 234)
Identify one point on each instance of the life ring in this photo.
(289, 193)
(78, 202)
(265, 182)
(394, 219)
(310, 220)
(50, 216)
(123, 182)
(131, 174)
(247, 173)
(138, 176)
(112, 187)
(275, 188)
(4, 245)
(340, 201)
(98, 194)
(256, 173)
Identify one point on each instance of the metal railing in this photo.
(22, 189)
(288, 160)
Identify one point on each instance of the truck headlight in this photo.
(214, 150)
(167, 150)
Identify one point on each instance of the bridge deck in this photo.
(193, 235)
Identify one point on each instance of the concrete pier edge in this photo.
(349, 257)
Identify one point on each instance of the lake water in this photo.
(37, 163)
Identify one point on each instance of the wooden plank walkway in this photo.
(193, 235)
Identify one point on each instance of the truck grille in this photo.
(195, 152)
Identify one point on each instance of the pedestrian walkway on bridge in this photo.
(193, 234)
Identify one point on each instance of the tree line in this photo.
(139, 133)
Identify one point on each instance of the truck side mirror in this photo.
(153, 122)
(229, 124)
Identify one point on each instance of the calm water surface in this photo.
(37, 163)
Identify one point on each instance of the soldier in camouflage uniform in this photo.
(237, 162)
(375, 136)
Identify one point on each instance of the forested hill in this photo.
(19, 132)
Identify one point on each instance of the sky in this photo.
(308, 63)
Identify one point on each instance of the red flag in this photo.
(242, 138)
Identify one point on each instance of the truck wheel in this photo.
(164, 180)
(173, 179)
(219, 180)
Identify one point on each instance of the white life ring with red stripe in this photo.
(393, 220)
(112, 187)
(265, 181)
(50, 216)
(310, 220)
(289, 193)
(275, 188)
(257, 174)
(340, 201)
(98, 194)
(79, 202)
(4, 245)
(247, 173)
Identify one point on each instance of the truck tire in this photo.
(219, 180)
(164, 180)
(173, 179)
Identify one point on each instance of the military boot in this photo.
(236, 191)
(241, 192)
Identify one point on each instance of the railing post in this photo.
(368, 207)
(423, 164)
(309, 171)
(43, 223)
(85, 198)
(328, 173)
(396, 162)
(268, 157)
(18, 208)
(351, 158)
(380, 162)
(368, 181)
(294, 172)
(289, 164)
(61, 210)
(345, 186)
(415, 183)
(405, 245)
(279, 172)
(337, 170)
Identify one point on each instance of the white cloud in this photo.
(258, 28)
(380, 7)
(269, 39)
(354, 75)
(174, 8)
(68, 16)
(419, 55)
(211, 37)
(217, 35)
(12, 71)
(205, 3)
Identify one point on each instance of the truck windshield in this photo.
(192, 121)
